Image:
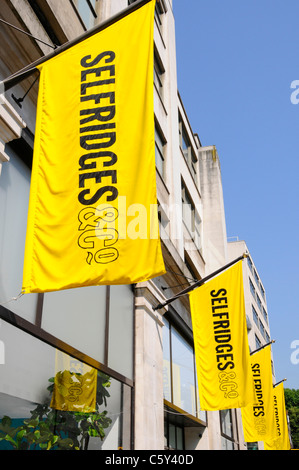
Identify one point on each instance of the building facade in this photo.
(144, 356)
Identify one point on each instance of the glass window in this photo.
(78, 317)
(258, 343)
(188, 151)
(158, 75)
(265, 315)
(159, 151)
(249, 263)
(121, 330)
(55, 398)
(173, 436)
(255, 316)
(258, 300)
(191, 217)
(179, 372)
(166, 362)
(158, 15)
(14, 198)
(256, 277)
(262, 330)
(252, 289)
(227, 425)
(183, 373)
(86, 10)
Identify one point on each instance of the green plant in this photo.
(49, 428)
(292, 406)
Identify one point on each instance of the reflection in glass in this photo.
(183, 373)
(85, 409)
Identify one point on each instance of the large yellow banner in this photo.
(221, 343)
(258, 416)
(93, 215)
(281, 440)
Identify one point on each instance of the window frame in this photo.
(233, 438)
(186, 334)
(196, 222)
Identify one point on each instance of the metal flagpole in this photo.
(17, 77)
(262, 347)
(27, 34)
(199, 283)
(283, 380)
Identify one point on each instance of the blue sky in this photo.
(236, 61)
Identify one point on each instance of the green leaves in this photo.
(49, 429)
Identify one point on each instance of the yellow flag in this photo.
(281, 441)
(221, 343)
(75, 385)
(93, 215)
(258, 416)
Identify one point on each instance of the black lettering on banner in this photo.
(276, 415)
(258, 408)
(98, 135)
(224, 349)
(98, 234)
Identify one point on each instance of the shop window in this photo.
(179, 372)
(14, 198)
(94, 323)
(56, 397)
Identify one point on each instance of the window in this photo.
(158, 15)
(179, 372)
(191, 218)
(158, 75)
(92, 323)
(258, 343)
(255, 316)
(173, 436)
(262, 330)
(86, 10)
(227, 429)
(256, 278)
(159, 151)
(252, 289)
(31, 390)
(263, 292)
(249, 263)
(188, 151)
(258, 300)
(265, 315)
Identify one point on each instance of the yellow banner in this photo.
(258, 416)
(221, 343)
(281, 440)
(93, 215)
(75, 385)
